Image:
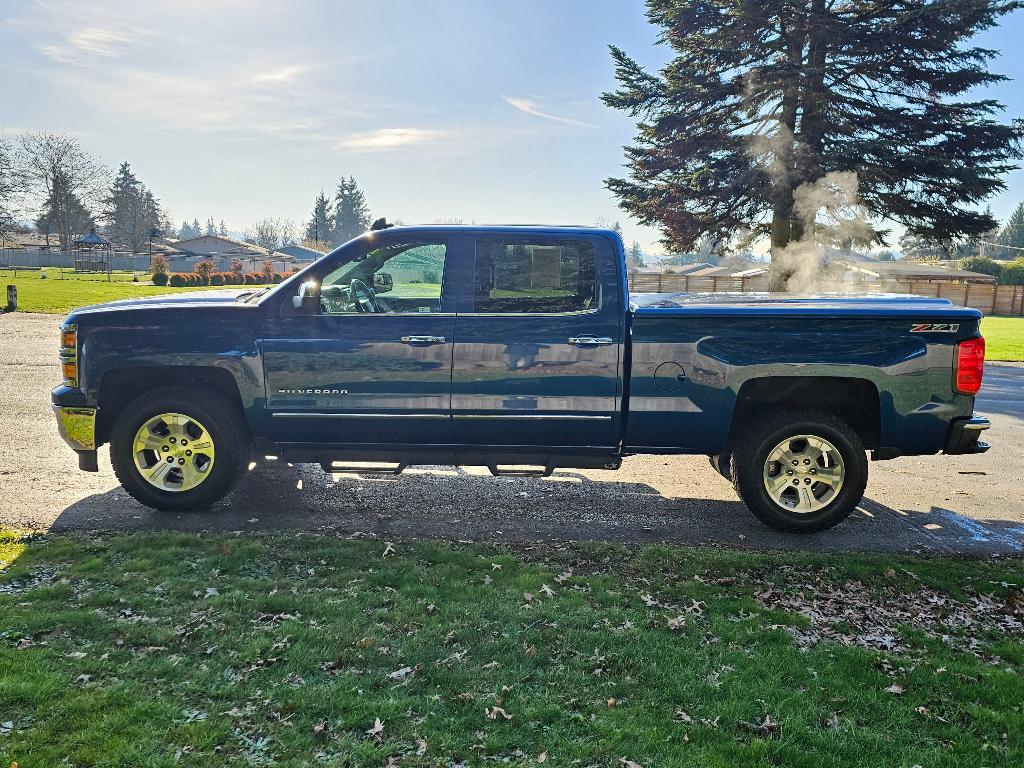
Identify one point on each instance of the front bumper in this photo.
(964, 433)
(77, 426)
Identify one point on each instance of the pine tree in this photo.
(319, 227)
(211, 228)
(636, 256)
(1012, 233)
(351, 214)
(122, 210)
(196, 228)
(766, 100)
(222, 231)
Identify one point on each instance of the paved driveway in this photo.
(967, 504)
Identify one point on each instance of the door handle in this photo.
(591, 341)
(424, 340)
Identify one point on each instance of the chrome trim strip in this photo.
(527, 416)
(318, 415)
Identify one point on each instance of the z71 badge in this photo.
(935, 328)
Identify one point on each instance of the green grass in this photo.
(165, 649)
(56, 296)
(1004, 338)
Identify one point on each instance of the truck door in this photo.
(373, 365)
(538, 350)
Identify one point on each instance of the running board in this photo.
(521, 470)
(362, 468)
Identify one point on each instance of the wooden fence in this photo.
(989, 298)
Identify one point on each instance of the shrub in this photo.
(1012, 273)
(158, 266)
(203, 270)
(267, 271)
(250, 279)
(236, 269)
(277, 277)
(160, 278)
(217, 278)
(982, 264)
(177, 280)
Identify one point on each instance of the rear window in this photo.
(515, 275)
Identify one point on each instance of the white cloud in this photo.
(82, 45)
(531, 107)
(279, 75)
(384, 139)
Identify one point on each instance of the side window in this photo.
(515, 275)
(399, 277)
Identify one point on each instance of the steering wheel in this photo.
(367, 302)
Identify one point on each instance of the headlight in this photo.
(69, 354)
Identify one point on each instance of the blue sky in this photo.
(236, 109)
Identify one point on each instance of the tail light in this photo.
(968, 366)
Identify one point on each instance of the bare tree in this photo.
(289, 232)
(8, 188)
(267, 233)
(63, 178)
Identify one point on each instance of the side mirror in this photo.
(382, 282)
(307, 299)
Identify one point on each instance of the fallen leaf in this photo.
(377, 729)
(612, 703)
(531, 651)
(528, 597)
(542, 757)
(548, 591)
(896, 689)
(389, 549)
(493, 713)
(212, 592)
(421, 747)
(320, 728)
(677, 623)
(627, 763)
(495, 567)
(401, 674)
(682, 716)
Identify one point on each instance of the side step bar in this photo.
(362, 468)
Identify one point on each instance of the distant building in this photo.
(206, 246)
(300, 252)
(903, 270)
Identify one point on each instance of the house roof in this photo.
(91, 239)
(300, 252)
(224, 246)
(903, 270)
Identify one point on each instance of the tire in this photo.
(826, 491)
(211, 418)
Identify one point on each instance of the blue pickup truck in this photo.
(518, 349)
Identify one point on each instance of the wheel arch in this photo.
(854, 400)
(120, 385)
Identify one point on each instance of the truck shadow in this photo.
(450, 503)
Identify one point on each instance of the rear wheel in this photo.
(800, 471)
(176, 451)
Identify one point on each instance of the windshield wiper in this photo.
(248, 298)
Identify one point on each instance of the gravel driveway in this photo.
(965, 504)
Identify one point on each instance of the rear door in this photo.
(538, 348)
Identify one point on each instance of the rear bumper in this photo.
(963, 436)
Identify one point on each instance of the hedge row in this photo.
(181, 279)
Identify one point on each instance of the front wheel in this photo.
(178, 450)
(800, 471)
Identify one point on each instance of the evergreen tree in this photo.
(351, 214)
(765, 99)
(223, 231)
(1012, 233)
(130, 211)
(635, 260)
(918, 248)
(188, 231)
(319, 227)
(211, 228)
(196, 228)
(64, 213)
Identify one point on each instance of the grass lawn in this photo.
(57, 296)
(1004, 338)
(164, 649)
